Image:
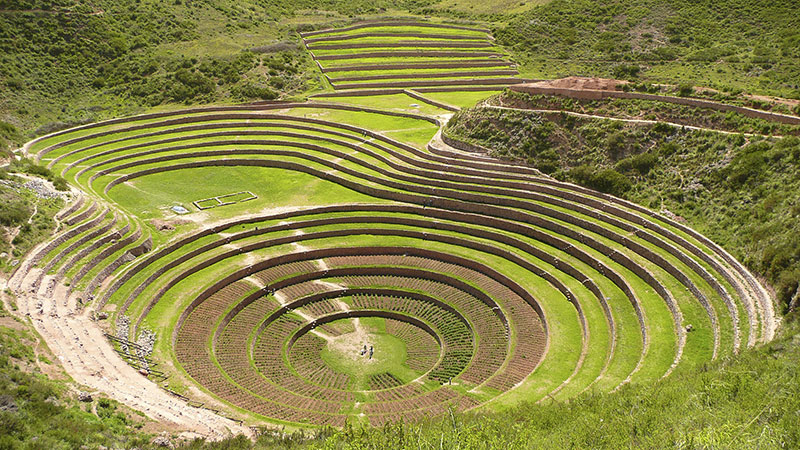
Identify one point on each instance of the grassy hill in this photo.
(69, 62)
(731, 45)
(66, 62)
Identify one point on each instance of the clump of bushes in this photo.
(604, 180)
(641, 163)
(14, 212)
(8, 136)
(685, 90)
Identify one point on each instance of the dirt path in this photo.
(638, 121)
(79, 345)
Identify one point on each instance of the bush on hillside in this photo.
(685, 90)
(626, 71)
(748, 164)
(250, 91)
(605, 180)
(14, 213)
(641, 163)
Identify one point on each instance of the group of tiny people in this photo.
(364, 351)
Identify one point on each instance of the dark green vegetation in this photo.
(742, 192)
(730, 45)
(8, 136)
(36, 412)
(70, 62)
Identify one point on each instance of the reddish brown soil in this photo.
(593, 83)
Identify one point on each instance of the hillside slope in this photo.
(742, 191)
(730, 45)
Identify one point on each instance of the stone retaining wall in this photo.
(394, 23)
(425, 83)
(409, 54)
(401, 44)
(589, 94)
(452, 37)
(419, 65)
(487, 73)
(116, 235)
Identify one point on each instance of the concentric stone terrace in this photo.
(409, 54)
(475, 283)
(341, 301)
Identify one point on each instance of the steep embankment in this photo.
(740, 189)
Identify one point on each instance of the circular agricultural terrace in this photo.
(371, 272)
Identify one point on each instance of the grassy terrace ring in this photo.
(477, 284)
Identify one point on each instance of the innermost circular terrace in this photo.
(366, 351)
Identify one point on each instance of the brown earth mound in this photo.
(167, 225)
(592, 83)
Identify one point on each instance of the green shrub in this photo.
(626, 71)
(606, 180)
(642, 163)
(60, 184)
(748, 164)
(13, 213)
(615, 144)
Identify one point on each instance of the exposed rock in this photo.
(592, 83)
(671, 215)
(123, 325)
(41, 189)
(84, 396)
(167, 225)
(694, 186)
(8, 404)
(146, 340)
(162, 441)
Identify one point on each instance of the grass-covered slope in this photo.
(731, 45)
(39, 411)
(30, 196)
(740, 190)
(69, 62)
